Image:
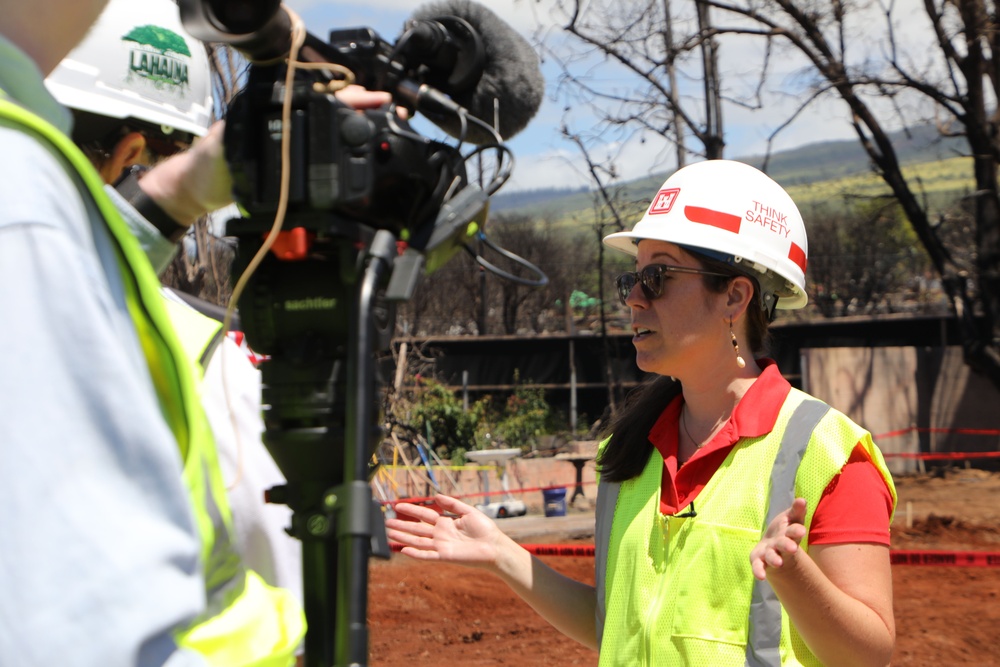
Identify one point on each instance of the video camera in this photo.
(345, 210)
(369, 167)
(349, 175)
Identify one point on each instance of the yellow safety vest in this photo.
(679, 591)
(270, 620)
(246, 621)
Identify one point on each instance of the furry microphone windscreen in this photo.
(511, 82)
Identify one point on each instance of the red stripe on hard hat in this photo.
(706, 216)
(797, 255)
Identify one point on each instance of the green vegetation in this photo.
(827, 177)
(524, 417)
(941, 181)
(437, 413)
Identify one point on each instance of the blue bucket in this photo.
(555, 502)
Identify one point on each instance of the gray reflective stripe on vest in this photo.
(225, 576)
(765, 610)
(210, 348)
(607, 499)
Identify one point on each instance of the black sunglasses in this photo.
(651, 278)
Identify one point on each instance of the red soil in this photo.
(423, 615)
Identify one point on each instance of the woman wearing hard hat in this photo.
(739, 521)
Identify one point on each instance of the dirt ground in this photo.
(428, 616)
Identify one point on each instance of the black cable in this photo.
(541, 281)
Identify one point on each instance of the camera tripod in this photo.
(324, 452)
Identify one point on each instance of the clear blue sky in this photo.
(543, 158)
(537, 149)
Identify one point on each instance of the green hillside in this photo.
(941, 182)
(823, 175)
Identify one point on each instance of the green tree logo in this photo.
(160, 56)
(161, 39)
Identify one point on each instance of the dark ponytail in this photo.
(628, 452)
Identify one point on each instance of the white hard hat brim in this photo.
(99, 104)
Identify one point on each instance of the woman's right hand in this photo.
(468, 538)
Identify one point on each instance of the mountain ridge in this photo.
(809, 163)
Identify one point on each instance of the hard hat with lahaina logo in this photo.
(137, 64)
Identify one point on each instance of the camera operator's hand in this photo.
(362, 98)
(192, 183)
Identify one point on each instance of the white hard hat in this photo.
(730, 211)
(138, 62)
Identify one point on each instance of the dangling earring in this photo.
(736, 346)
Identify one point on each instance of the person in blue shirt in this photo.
(100, 563)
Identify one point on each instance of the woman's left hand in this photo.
(781, 539)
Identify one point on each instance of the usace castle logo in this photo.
(159, 55)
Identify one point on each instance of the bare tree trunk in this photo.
(963, 29)
(671, 66)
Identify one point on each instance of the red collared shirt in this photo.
(856, 506)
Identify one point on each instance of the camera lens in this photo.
(240, 17)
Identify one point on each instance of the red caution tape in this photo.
(561, 549)
(947, 558)
(916, 429)
(585, 550)
(897, 557)
(938, 456)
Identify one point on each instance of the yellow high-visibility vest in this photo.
(678, 590)
(246, 621)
